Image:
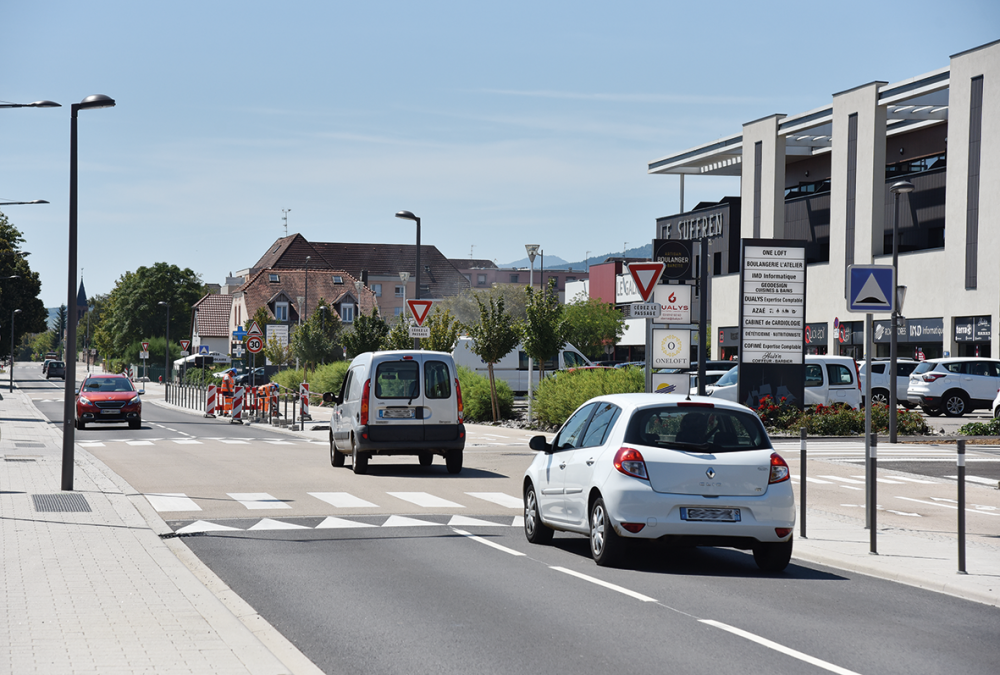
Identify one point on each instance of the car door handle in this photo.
(590, 462)
(562, 465)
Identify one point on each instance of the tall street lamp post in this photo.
(69, 395)
(902, 187)
(532, 250)
(166, 359)
(406, 215)
(12, 314)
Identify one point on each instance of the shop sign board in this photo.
(673, 383)
(671, 348)
(676, 256)
(913, 330)
(972, 329)
(772, 301)
(675, 303)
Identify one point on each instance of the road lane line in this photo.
(780, 648)
(948, 506)
(992, 482)
(605, 584)
(501, 498)
(845, 480)
(489, 543)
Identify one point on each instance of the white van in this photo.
(829, 380)
(405, 402)
(513, 368)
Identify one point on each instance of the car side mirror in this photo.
(540, 444)
(330, 397)
(141, 392)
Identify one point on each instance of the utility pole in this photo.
(284, 217)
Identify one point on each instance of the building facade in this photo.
(824, 177)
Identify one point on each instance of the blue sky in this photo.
(498, 124)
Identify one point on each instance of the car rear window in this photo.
(397, 379)
(839, 374)
(923, 368)
(699, 429)
(437, 380)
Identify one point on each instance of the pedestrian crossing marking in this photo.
(992, 482)
(270, 524)
(279, 442)
(342, 500)
(258, 500)
(916, 480)
(340, 523)
(817, 481)
(172, 501)
(500, 498)
(425, 500)
(233, 441)
(139, 442)
(187, 442)
(889, 481)
(205, 526)
(91, 444)
(403, 521)
(466, 521)
(845, 480)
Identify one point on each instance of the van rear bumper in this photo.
(410, 439)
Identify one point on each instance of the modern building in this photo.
(824, 177)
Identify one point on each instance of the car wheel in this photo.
(426, 458)
(359, 461)
(931, 412)
(773, 556)
(955, 404)
(134, 424)
(453, 460)
(996, 412)
(605, 545)
(80, 424)
(880, 397)
(336, 456)
(535, 530)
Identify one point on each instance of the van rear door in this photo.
(396, 399)
(440, 399)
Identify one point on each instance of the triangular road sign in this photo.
(145, 346)
(646, 276)
(254, 329)
(420, 309)
(185, 344)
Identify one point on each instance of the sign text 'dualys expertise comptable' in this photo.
(773, 299)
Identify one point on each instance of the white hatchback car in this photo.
(691, 470)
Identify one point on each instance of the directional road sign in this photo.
(239, 333)
(870, 288)
(646, 276)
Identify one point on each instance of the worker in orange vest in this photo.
(226, 390)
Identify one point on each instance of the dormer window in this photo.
(273, 278)
(337, 279)
(281, 311)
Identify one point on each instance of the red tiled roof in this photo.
(211, 315)
(259, 290)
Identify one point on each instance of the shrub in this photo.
(476, 396)
(559, 395)
(991, 428)
(324, 378)
(835, 420)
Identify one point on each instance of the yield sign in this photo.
(645, 276)
(185, 344)
(419, 309)
(254, 329)
(145, 346)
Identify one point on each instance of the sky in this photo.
(499, 124)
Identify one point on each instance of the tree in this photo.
(444, 331)
(277, 353)
(465, 308)
(592, 324)
(398, 336)
(494, 336)
(366, 335)
(59, 328)
(318, 339)
(21, 293)
(544, 329)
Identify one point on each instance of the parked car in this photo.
(954, 386)
(711, 377)
(55, 369)
(45, 365)
(996, 405)
(259, 377)
(108, 398)
(513, 368)
(689, 470)
(880, 379)
(405, 402)
(829, 380)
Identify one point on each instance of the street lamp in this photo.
(12, 314)
(166, 359)
(36, 104)
(902, 187)
(69, 396)
(406, 215)
(532, 250)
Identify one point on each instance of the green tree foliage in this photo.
(277, 353)
(444, 331)
(398, 336)
(557, 397)
(59, 328)
(544, 328)
(21, 293)
(465, 308)
(133, 313)
(318, 339)
(494, 336)
(477, 399)
(366, 335)
(592, 324)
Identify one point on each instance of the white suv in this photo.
(954, 386)
(828, 379)
(880, 379)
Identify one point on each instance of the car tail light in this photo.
(633, 527)
(779, 470)
(364, 402)
(630, 462)
(857, 374)
(930, 377)
(695, 404)
(461, 406)
(782, 532)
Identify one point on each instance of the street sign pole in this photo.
(868, 419)
(703, 316)
(646, 276)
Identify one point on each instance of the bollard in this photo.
(961, 507)
(873, 548)
(210, 401)
(802, 481)
(304, 393)
(237, 406)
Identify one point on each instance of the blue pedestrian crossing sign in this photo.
(203, 349)
(870, 288)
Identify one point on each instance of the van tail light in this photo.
(930, 377)
(461, 406)
(630, 462)
(364, 402)
(857, 375)
(779, 470)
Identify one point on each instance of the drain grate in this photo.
(28, 445)
(61, 503)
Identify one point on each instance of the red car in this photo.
(108, 398)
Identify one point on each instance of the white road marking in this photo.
(850, 487)
(605, 584)
(279, 442)
(489, 543)
(230, 441)
(205, 526)
(992, 482)
(258, 500)
(403, 521)
(425, 500)
(780, 648)
(139, 442)
(270, 524)
(518, 521)
(342, 500)
(818, 481)
(883, 480)
(845, 480)
(949, 506)
(916, 480)
(185, 441)
(466, 521)
(500, 498)
(171, 501)
(91, 444)
(904, 513)
(340, 523)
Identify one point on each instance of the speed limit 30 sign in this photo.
(254, 344)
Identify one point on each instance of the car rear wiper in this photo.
(698, 447)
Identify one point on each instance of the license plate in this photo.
(110, 412)
(396, 413)
(711, 515)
